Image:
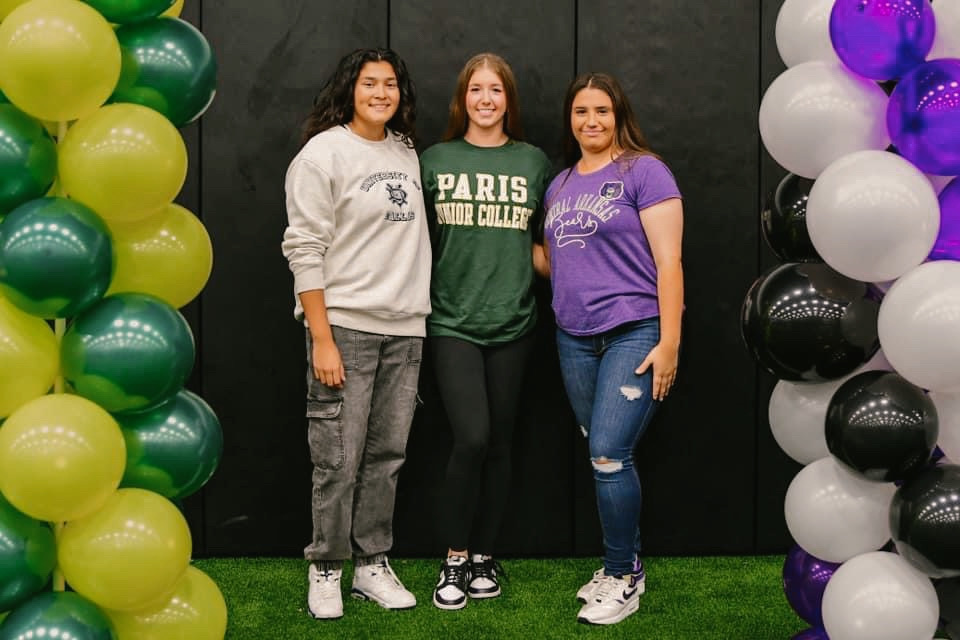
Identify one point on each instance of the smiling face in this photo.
(486, 102)
(592, 121)
(376, 97)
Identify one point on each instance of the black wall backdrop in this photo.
(713, 477)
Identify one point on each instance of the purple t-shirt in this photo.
(601, 266)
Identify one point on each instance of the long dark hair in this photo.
(457, 121)
(627, 136)
(334, 105)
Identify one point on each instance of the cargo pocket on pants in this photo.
(325, 433)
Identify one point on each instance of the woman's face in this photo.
(592, 120)
(486, 102)
(376, 97)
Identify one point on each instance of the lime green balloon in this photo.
(56, 257)
(167, 65)
(6, 6)
(125, 162)
(57, 616)
(61, 457)
(28, 158)
(196, 610)
(127, 11)
(168, 255)
(128, 352)
(129, 553)
(172, 449)
(174, 11)
(29, 357)
(61, 59)
(27, 555)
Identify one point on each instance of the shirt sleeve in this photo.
(655, 182)
(310, 223)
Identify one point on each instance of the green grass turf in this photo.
(703, 598)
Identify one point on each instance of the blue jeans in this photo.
(358, 439)
(613, 406)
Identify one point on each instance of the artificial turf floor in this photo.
(701, 598)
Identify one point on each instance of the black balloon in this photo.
(806, 322)
(925, 520)
(881, 426)
(784, 221)
(948, 595)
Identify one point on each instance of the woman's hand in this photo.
(327, 363)
(663, 358)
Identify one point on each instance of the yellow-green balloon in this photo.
(196, 610)
(6, 6)
(125, 162)
(174, 11)
(61, 457)
(167, 255)
(29, 357)
(128, 554)
(61, 59)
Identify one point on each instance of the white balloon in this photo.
(798, 412)
(816, 112)
(948, 414)
(873, 216)
(946, 42)
(879, 596)
(919, 326)
(834, 514)
(803, 32)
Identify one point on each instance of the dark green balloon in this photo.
(57, 614)
(167, 65)
(174, 448)
(28, 158)
(28, 554)
(128, 352)
(127, 11)
(56, 257)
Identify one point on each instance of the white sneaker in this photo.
(450, 593)
(378, 582)
(583, 595)
(613, 599)
(324, 600)
(485, 576)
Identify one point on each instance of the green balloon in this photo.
(174, 448)
(57, 614)
(128, 352)
(56, 257)
(28, 158)
(167, 65)
(127, 11)
(28, 555)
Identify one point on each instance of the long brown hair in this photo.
(627, 135)
(457, 120)
(334, 105)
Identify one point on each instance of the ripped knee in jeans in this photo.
(605, 465)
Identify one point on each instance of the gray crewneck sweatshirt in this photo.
(357, 230)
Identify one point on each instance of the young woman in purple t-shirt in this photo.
(612, 238)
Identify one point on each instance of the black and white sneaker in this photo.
(613, 599)
(485, 574)
(451, 591)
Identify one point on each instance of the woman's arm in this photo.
(663, 224)
(327, 363)
(541, 259)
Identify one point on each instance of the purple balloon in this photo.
(804, 579)
(947, 246)
(882, 39)
(813, 633)
(923, 117)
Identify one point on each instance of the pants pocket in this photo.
(325, 433)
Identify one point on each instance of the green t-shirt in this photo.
(483, 204)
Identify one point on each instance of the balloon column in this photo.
(97, 434)
(860, 322)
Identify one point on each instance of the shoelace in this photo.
(607, 588)
(326, 579)
(385, 573)
(490, 569)
(454, 573)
